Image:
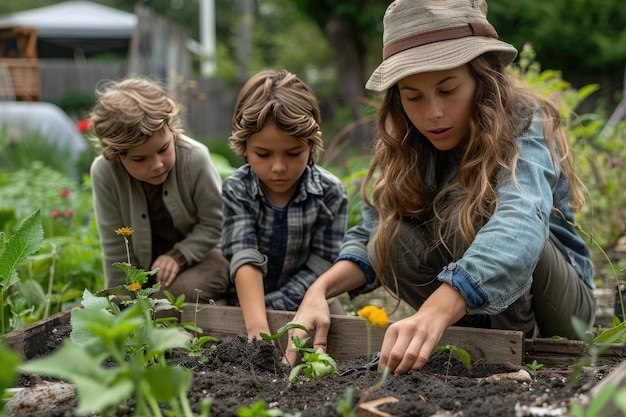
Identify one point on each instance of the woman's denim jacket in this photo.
(497, 267)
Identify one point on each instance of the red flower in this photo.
(69, 213)
(55, 213)
(65, 192)
(84, 125)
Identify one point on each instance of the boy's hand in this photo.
(168, 270)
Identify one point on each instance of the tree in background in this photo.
(585, 39)
(334, 44)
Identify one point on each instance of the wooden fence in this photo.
(208, 104)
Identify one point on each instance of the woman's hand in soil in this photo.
(168, 270)
(409, 342)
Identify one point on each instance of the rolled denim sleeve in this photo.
(497, 267)
(354, 248)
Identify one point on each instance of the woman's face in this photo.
(440, 104)
(153, 160)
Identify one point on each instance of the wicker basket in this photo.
(25, 78)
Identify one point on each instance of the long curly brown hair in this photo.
(504, 108)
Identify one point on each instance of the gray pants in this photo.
(556, 294)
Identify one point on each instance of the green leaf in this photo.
(158, 340)
(464, 356)
(26, 241)
(10, 361)
(293, 375)
(620, 399)
(613, 335)
(581, 328)
(166, 382)
(92, 302)
(599, 402)
(281, 332)
(82, 367)
(105, 326)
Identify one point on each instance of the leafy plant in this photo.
(598, 403)
(344, 405)
(138, 349)
(259, 409)
(10, 361)
(131, 338)
(314, 365)
(534, 367)
(461, 354)
(281, 332)
(596, 344)
(14, 252)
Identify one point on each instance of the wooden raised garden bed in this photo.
(347, 340)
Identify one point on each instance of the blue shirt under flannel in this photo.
(292, 245)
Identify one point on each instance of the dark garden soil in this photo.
(237, 373)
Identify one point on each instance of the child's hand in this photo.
(168, 270)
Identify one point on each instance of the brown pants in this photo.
(202, 282)
(557, 293)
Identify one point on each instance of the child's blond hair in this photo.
(128, 112)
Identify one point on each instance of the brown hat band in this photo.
(419, 39)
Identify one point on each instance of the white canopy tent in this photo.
(76, 25)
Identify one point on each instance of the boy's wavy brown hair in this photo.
(277, 97)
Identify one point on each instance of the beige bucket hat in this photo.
(434, 35)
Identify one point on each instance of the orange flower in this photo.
(375, 315)
(134, 286)
(124, 231)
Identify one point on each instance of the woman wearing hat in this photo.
(474, 190)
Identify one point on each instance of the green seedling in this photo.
(534, 367)
(344, 405)
(596, 344)
(259, 409)
(280, 333)
(462, 354)
(315, 364)
(194, 347)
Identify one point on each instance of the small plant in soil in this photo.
(259, 409)
(314, 364)
(462, 354)
(344, 405)
(534, 367)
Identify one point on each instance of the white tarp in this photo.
(75, 19)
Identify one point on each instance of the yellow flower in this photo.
(134, 286)
(375, 315)
(124, 231)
